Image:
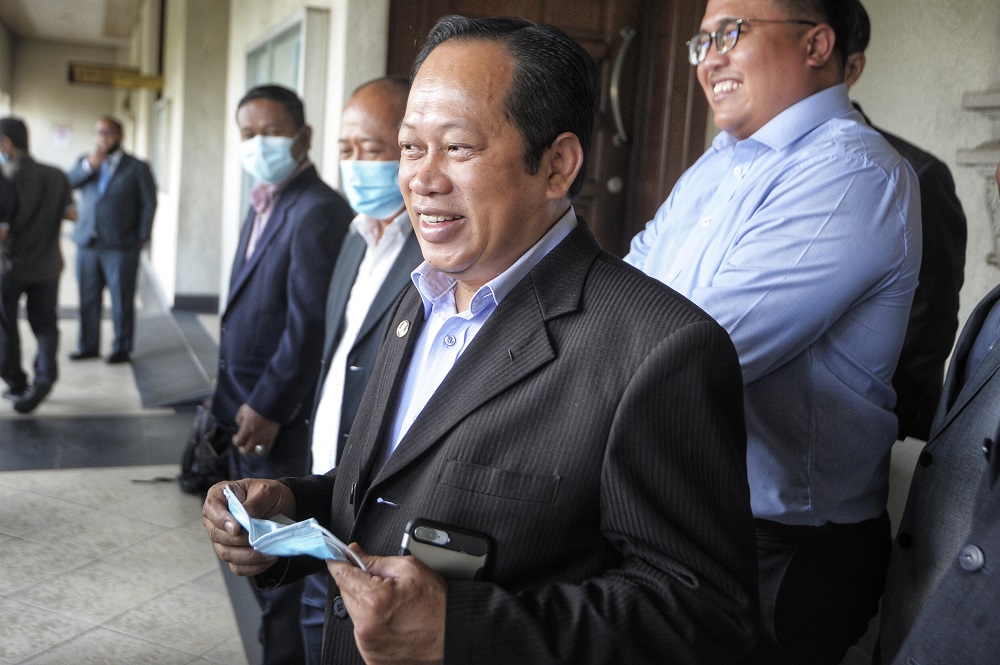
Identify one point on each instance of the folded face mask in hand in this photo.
(285, 538)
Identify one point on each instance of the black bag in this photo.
(206, 455)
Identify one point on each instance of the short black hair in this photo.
(841, 15)
(287, 98)
(15, 129)
(554, 84)
(861, 31)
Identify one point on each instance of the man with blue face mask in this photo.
(374, 265)
(271, 333)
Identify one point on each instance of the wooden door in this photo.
(651, 118)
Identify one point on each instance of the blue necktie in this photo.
(102, 180)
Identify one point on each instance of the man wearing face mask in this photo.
(118, 201)
(271, 333)
(379, 253)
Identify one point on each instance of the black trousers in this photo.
(42, 301)
(819, 587)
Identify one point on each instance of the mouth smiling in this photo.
(726, 86)
(437, 219)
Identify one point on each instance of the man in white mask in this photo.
(271, 333)
(375, 262)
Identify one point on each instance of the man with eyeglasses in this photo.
(799, 231)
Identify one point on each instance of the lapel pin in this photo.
(402, 328)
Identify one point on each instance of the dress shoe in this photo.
(118, 357)
(14, 395)
(82, 355)
(32, 397)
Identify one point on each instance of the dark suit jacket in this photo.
(43, 195)
(121, 218)
(8, 200)
(594, 431)
(271, 333)
(933, 322)
(934, 610)
(361, 358)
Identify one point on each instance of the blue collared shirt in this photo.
(803, 241)
(448, 332)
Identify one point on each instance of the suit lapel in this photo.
(512, 344)
(344, 275)
(397, 279)
(954, 396)
(285, 202)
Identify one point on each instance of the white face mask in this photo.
(268, 158)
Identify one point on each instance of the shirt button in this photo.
(971, 558)
(705, 221)
(738, 170)
(339, 610)
(449, 340)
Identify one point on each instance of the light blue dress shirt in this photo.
(448, 332)
(803, 241)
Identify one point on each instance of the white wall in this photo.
(187, 235)
(41, 95)
(924, 55)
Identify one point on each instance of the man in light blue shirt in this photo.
(799, 231)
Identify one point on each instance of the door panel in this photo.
(626, 179)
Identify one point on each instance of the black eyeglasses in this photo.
(727, 35)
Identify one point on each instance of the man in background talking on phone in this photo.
(531, 388)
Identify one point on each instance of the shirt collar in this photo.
(433, 285)
(797, 120)
(365, 227)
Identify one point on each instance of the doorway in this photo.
(652, 114)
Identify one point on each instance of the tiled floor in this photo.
(97, 564)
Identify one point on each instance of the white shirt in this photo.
(379, 258)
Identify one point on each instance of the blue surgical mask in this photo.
(268, 158)
(4, 158)
(371, 187)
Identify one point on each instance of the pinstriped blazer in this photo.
(594, 430)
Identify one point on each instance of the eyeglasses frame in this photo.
(698, 57)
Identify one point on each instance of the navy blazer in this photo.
(271, 333)
(122, 217)
(594, 431)
(361, 357)
(943, 588)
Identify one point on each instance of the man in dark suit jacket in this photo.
(374, 265)
(35, 262)
(942, 593)
(533, 388)
(933, 322)
(115, 221)
(272, 329)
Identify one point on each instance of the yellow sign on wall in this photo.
(112, 75)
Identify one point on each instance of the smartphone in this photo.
(454, 553)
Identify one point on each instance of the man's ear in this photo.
(564, 159)
(853, 68)
(305, 140)
(819, 47)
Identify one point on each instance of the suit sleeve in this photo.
(288, 382)
(933, 320)
(147, 203)
(675, 504)
(80, 174)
